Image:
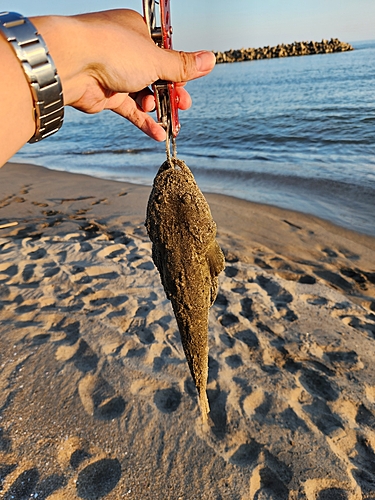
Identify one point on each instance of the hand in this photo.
(109, 60)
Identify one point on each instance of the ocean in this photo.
(296, 132)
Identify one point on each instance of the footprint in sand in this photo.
(344, 360)
(51, 213)
(325, 420)
(70, 331)
(6, 201)
(265, 484)
(318, 385)
(5, 442)
(247, 308)
(307, 279)
(279, 296)
(99, 399)
(365, 417)
(234, 361)
(332, 494)
(227, 340)
(335, 280)
(84, 246)
(167, 400)
(363, 458)
(354, 274)
(360, 324)
(98, 479)
(85, 358)
(97, 475)
(228, 320)
(249, 338)
(315, 300)
(28, 484)
(247, 454)
(72, 452)
(231, 272)
(269, 476)
(99, 201)
(5, 470)
(37, 204)
(111, 251)
(40, 253)
(28, 272)
(218, 414)
(332, 253)
(78, 457)
(26, 308)
(24, 486)
(255, 403)
(221, 301)
(7, 271)
(364, 455)
(25, 189)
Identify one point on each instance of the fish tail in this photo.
(204, 406)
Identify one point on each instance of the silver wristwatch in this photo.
(40, 72)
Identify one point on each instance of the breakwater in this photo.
(283, 50)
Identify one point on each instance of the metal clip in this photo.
(158, 19)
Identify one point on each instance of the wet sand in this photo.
(96, 397)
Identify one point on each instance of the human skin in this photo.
(105, 60)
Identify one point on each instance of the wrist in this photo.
(64, 37)
(39, 70)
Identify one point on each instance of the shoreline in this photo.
(96, 399)
(148, 185)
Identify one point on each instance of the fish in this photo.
(189, 260)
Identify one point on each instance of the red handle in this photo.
(167, 111)
(166, 30)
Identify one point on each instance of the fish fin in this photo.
(204, 406)
(215, 259)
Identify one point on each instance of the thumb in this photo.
(185, 66)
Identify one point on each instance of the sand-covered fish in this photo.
(188, 258)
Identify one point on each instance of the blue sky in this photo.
(223, 24)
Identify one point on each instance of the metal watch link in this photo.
(40, 72)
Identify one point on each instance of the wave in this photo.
(321, 185)
(344, 204)
(130, 151)
(270, 132)
(225, 155)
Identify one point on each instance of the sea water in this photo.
(296, 132)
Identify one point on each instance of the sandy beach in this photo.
(96, 398)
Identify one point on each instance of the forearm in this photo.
(17, 122)
(105, 60)
(100, 59)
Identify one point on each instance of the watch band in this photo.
(40, 72)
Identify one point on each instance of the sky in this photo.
(223, 24)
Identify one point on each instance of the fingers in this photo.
(185, 66)
(184, 97)
(146, 101)
(138, 117)
(127, 106)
